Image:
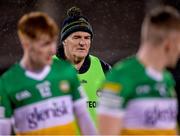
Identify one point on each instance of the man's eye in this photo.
(87, 38)
(76, 38)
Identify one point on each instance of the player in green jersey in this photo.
(40, 95)
(138, 96)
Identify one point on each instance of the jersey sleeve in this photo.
(5, 101)
(115, 94)
(5, 111)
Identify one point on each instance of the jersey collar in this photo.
(154, 74)
(37, 76)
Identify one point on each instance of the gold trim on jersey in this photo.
(114, 87)
(69, 129)
(149, 132)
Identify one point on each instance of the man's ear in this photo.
(24, 42)
(64, 42)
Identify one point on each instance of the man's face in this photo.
(174, 50)
(40, 51)
(77, 45)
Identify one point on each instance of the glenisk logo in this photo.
(38, 116)
(156, 114)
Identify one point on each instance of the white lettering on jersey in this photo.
(23, 95)
(161, 87)
(144, 89)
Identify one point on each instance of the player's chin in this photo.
(48, 62)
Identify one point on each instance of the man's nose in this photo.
(82, 42)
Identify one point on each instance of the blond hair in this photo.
(159, 24)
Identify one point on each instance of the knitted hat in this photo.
(74, 22)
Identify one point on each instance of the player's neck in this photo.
(151, 59)
(29, 65)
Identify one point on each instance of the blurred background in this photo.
(116, 24)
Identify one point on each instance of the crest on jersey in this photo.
(64, 86)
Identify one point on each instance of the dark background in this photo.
(116, 24)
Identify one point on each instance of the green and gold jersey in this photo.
(40, 103)
(142, 97)
(91, 81)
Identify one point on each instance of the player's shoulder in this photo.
(62, 65)
(12, 72)
(122, 71)
(168, 76)
(126, 65)
(58, 61)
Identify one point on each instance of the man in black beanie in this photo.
(76, 38)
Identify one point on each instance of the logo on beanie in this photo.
(82, 19)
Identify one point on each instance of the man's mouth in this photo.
(81, 49)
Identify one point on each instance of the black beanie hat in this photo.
(74, 22)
